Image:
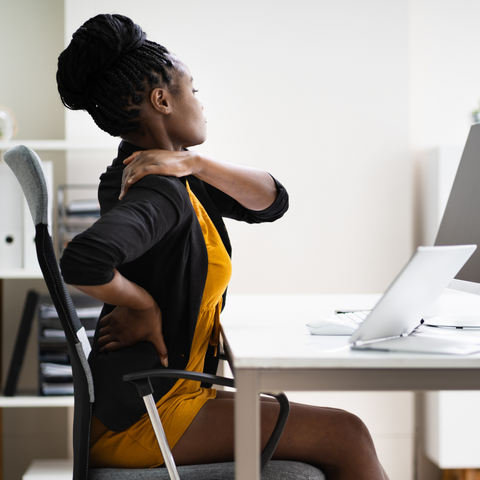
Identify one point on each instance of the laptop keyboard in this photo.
(355, 318)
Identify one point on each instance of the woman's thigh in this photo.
(334, 440)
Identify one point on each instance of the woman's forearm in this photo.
(120, 292)
(252, 188)
(135, 318)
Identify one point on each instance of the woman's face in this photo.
(187, 125)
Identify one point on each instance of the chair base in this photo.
(276, 470)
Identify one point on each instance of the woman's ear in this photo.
(160, 101)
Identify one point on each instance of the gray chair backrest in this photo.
(26, 166)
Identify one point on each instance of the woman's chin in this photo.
(196, 142)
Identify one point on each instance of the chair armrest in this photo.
(142, 382)
(225, 353)
(195, 376)
(278, 430)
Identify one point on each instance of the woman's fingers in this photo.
(132, 157)
(111, 347)
(105, 339)
(128, 174)
(161, 349)
(104, 321)
(124, 327)
(135, 172)
(155, 162)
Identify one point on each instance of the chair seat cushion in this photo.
(276, 470)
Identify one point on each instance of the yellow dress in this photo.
(137, 447)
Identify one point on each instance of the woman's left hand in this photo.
(155, 162)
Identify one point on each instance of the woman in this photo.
(159, 258)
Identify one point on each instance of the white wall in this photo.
(444, 81)
(28, 62)
(31, 37)
(337, 99)
(444, 71)
(316, 92)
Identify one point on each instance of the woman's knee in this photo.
(352, 431)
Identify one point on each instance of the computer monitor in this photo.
(461, 221)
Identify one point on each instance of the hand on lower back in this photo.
(124, 327)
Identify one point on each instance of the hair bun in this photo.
(94, 47)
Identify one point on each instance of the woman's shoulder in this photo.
(149, 188)
(157, 188)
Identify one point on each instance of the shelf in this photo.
(20, 273)
(49, 470)
(32, 401)
(63, 145)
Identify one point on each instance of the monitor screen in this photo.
(461, 221)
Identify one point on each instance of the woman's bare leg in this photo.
(335, 441)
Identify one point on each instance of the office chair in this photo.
(27, 167)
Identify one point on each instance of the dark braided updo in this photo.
(107, 70)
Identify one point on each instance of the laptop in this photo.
(392, 324)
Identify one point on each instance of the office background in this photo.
(337, 99)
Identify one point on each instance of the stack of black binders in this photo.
(54, 369)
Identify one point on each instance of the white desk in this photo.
(272, 351)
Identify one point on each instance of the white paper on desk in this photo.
(421, 344)
(457, 335)
(426, 340)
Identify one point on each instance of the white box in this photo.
(452, 423)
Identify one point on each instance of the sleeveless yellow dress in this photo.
(137, 446)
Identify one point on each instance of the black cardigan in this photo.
(152, 236)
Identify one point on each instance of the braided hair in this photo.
(109, 68)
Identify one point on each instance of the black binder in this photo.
(24, 329)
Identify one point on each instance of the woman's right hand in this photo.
(135, 318)
(124, 327)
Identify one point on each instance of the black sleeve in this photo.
(230, 208)
(149, 210)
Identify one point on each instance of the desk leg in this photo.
(247, 426)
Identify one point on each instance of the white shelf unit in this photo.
(35, 401)
(20, 274)
(72, 149)
(49, 470)
(45, 469)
